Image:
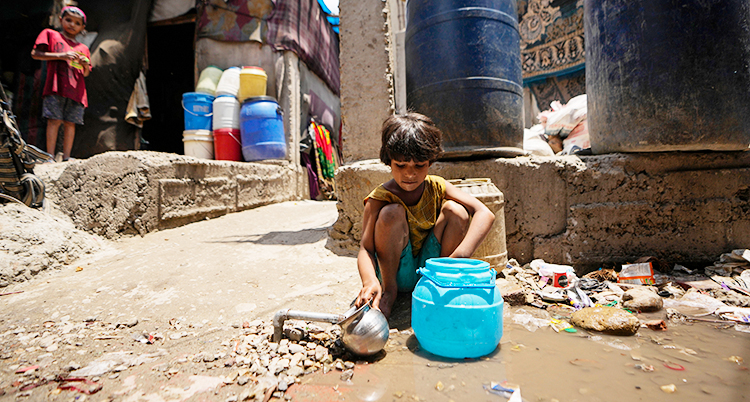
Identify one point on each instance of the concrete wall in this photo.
(364, 84)
(121, 193)
(594, 210)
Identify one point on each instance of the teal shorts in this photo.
(407, 276)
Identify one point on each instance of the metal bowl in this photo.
(364, 330)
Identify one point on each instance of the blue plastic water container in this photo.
(463, 70)
(457, 310)
(199, 108)
(262, 129)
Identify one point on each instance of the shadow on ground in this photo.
(305, 236)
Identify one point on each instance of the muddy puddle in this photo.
(695, 361)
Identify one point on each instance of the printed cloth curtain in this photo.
(296, 25)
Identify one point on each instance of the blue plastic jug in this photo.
(457, 311)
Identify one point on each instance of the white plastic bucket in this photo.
(198, 143)
(229, 83)
(226, 112)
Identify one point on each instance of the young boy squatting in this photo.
(414, 216)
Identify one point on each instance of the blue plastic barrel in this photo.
(665, 75)
(463, 70)
(198, 108)
(262, 129)
(457, 310)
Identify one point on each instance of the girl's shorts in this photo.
(407, 276)
(56, 107)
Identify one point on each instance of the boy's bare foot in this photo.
(386, 303)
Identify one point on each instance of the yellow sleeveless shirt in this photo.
(421, 216)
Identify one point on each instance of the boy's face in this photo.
(409, 175)
(72, 25)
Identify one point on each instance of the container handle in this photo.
(422, 271)
(199, 115)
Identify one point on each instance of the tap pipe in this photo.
(286, 314)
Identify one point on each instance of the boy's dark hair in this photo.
(410, 136)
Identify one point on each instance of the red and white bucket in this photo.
(227, 144)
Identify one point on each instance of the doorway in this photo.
(171, 61)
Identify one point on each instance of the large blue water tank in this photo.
(463, 70)
(666, 75)
(262, 129)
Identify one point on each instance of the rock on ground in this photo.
(642, 299)
(609, 320)
(32, 241)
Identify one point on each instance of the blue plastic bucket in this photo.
(198, 109)
(262, 129)
(457, 311)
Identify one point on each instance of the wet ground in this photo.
(704, 362)
(196, 285)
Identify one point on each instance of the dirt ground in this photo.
(192, 287)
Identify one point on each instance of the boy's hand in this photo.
(70, 55)
(371, 291)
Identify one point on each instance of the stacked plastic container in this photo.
(229, 117)
(226, 123)
(197, 138)
(261, 123)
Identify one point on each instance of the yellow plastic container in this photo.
(208, 80)
(252, 82)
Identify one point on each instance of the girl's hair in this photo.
(411, 136)
(74, 11)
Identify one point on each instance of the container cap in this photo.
(260, 98)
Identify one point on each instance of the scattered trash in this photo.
(670, 389)
(561, 275)
(529, 321)
(602, 275)
(79, 269)
(735, 359)
(637, 274)
(506, 390)
(87, 387)
(26, 369)
(674, 366)
(560, 325)
(439, 386)
(647, 368)
(656, 325)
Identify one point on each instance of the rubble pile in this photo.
(84, 356)
(599, 299)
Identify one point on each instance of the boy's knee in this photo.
(455, 212)
(392, 222)
(391, 215)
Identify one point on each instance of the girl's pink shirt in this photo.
(64, 78)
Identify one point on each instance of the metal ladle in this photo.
(364, 330)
